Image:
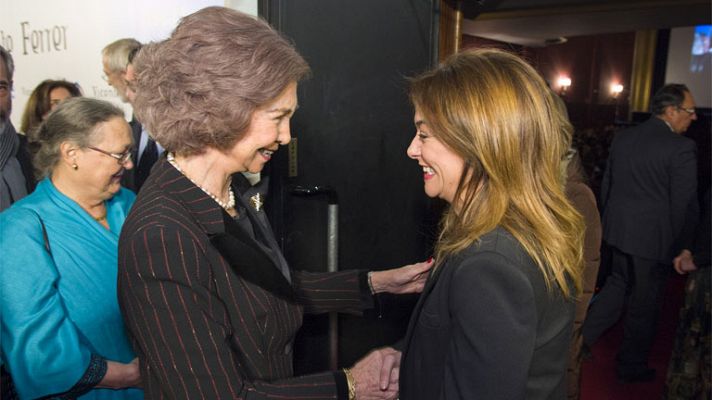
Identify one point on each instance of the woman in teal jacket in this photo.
(62, 332)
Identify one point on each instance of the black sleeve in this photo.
(92, 376)
(684, 206)
(343, 291)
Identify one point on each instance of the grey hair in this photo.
(200, 87)
(117, 53)
(9, 63)
(672, 94)
(74, 120)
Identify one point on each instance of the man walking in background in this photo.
(649, 203)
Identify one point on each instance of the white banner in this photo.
(64, 39)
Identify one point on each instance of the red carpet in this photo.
(598, 376)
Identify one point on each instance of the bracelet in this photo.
(350, 383)
(370, 283)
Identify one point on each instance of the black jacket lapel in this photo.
(249, 261)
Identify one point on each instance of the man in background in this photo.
(116, 60)
(16, 175)
(649, 202)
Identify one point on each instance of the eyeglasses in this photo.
(687, 110)
(122, 158)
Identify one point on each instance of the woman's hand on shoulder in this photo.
(407, 279)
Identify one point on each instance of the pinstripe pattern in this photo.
(209, 313)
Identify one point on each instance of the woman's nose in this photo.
(284, 136)
(414, 148)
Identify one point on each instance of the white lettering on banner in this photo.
(6, 41)
(43, 40)
(103, 93)
(65, 39)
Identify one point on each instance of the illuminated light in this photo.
(616, 89)
(564, 82)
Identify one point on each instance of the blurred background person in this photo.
(62, 332)
(16, 175)
(114, 58)
(495, 319)
(117, 58)
(582, 198)
(130, 76)
(210, 301)
(689, 373)
(584, 201)
(43, 99)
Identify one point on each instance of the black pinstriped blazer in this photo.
(209, 313)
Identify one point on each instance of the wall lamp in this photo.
(616, 89)
(564, 83)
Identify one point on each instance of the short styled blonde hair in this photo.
(200, 87)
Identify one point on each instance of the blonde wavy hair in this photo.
(495, 111)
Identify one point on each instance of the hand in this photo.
(684, 262)
(407, 279)
(390, 369)
(119, 375)
(375, 376)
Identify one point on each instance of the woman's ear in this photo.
(68, 153)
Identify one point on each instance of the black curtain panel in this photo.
(352, 130)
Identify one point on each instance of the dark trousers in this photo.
(639, 281)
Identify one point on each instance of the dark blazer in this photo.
(485, 327)
(648, 193)
(25, 160)
(209, 312)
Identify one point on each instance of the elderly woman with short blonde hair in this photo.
(208, 297)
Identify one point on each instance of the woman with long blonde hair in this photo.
(495, 318)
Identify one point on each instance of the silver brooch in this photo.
(256, 202)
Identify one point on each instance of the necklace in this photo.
(100, 218)
(230, 204)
